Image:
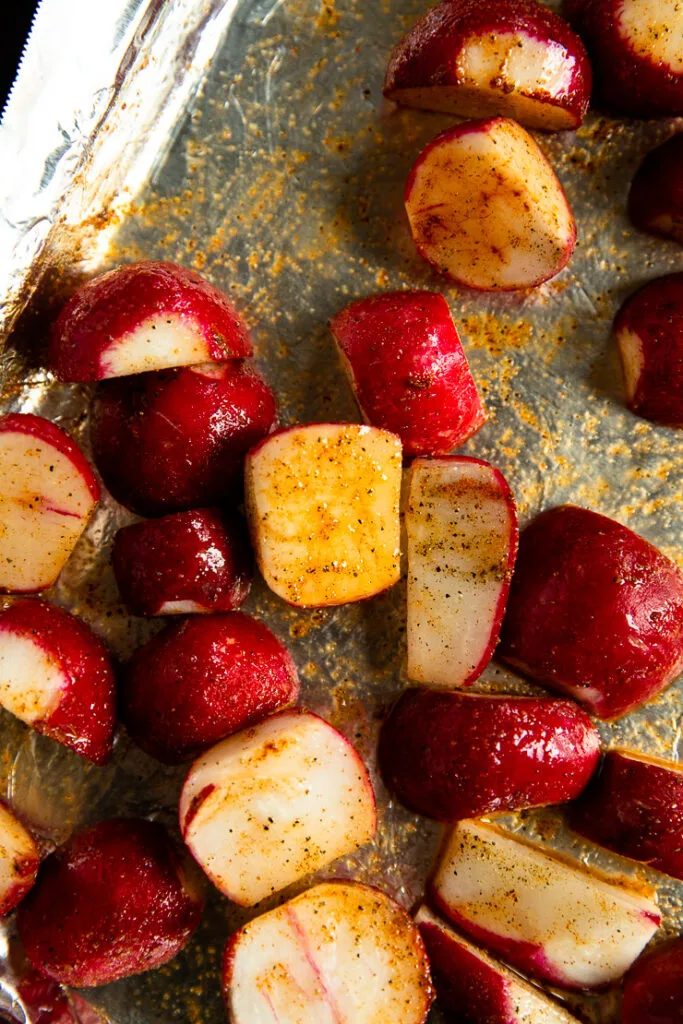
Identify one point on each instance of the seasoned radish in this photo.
(594, 611)
(176, 440)
(197, 561)
(634, 806)
(19, 860)
(409, 371)
(479, 990)
(462, 531)
(201, 680)
(323, 510)
(46, 1002)
(509, 57)
(116, 899)
(341, 953)
(486, 209)
(456, 755)
(141, 317)
(648, 330)
(636, 50)
(655, 202)
(653, 990)
(48, 493)
(556, 919)
(56, 676)
(274, 803)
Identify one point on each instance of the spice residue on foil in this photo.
(285, 188)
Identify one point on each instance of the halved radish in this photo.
(142, 317)
(655, 201)
(477, 988)
(462, 531)
(48, 493)
(274, 803)
(653, 989)
(19, 860)
(553, 918)
(323, 509)
(56, 676)
(341, 953)
(486, 209)
(511, 57)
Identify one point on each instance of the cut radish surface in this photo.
(142, 317)
(19, 860)
(56, 676)
(323, 508)
(477, 988)
(555, 919)
(341, 953)
(486, 209)
(48, 494)
(274, 803)
(510, 57)
(462, 544)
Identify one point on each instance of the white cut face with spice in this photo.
(274, 803)
(555, 919)
(653, 29)
(323, 508)
(341, 953)
(462, 532)
(19, 860)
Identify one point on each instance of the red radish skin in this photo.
(56, 676)
(595, 611)
(409, 370)
(115, 900)
(510, 57)
(486, 208)
(452, 755)
(462, 532)
(201, 680)
(476, 988)
(49, 493)
(635, 48)
(634, 806)
(551, 917)
(142, 317)
(648, 330)
(19, 860)
(653, 989)
(48, 1003)
(340, 953)
(175, 440)
(655, 202)
(197, 561)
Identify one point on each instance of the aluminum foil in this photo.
(284, 186)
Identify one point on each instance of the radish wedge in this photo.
(19, 860)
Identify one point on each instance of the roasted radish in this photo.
(323, 510)
(409, 371)
(486, 209)
(655, 202)
(553, 918)
(141, 317)
(48, 494)
(274, 803)
(19, 860)
(653, 990)
(462, 531)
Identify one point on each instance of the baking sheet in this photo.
(284, 186)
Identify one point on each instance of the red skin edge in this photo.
(50, 433)
(420, 948)
(48, 1003)
(85, 718)
(653, 988)
(482, 124)
(377, 313)
(634, 808)
(201, 796)
(427, 715)
(655, 314)
(413, 65)
(657, 189)
(110, 306)
(630, 82)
